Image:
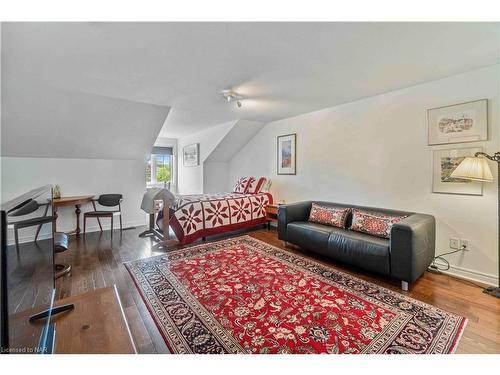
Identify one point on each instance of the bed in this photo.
(197, 216)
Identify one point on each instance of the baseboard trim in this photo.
(90, 229)
(472, 275)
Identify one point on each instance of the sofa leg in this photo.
(284, 243)
(405, 285)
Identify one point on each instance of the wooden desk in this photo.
(97, 325)
(71, 201)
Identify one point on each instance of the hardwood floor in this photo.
(97, 262)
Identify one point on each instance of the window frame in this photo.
(153, 182)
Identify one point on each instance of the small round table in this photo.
(71, 201)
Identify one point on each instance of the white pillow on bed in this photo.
(267, 186)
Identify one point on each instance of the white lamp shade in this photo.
(473, 168)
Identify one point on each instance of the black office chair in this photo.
(60, 239)
(25, 209)
(106, 200)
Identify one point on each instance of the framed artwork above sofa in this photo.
(464, 122)
(444, 163)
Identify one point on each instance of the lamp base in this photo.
(493, 291)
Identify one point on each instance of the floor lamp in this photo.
(476, 168)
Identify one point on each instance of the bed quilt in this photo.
(196, 216)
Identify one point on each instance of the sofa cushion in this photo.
(360, 249)
(334, 216)
(310, 236)
(374, 223)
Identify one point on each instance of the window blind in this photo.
(161, 151)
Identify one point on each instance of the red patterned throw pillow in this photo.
(255, 186)
(333, 216)
(242, 184)
(376, 224)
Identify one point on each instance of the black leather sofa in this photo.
(404, 256)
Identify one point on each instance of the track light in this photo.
(230, 96)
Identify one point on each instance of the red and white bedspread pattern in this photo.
(196, 216)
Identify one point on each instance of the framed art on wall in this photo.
(191, 155)
(465, 122)
(444, 163)
(287, 154)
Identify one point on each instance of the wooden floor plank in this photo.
(97, 261)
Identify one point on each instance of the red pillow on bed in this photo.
(255, 186)
(242, 184)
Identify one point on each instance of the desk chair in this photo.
(106, 200)
(28, 208)
(60, 239)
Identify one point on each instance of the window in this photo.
(159, 167)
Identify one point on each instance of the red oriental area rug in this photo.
(242, 295)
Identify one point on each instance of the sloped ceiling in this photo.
(41, 118)
(43, 121)
(282, 69)
(237, 137)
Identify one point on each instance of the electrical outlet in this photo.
(464, 244)
(454, 243)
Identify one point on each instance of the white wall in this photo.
(215, 177)
(234, 140)
(218, 145)
(191, 178)
(216, 165)
(78, 177)
(374, 152)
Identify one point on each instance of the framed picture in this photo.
(465, 122)
(286, 154)
(444, 163)
(191, 155)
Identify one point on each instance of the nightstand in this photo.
(271, 214)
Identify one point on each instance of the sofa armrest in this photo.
(412, 246)
(289, 213)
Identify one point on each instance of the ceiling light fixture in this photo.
(230, 96)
